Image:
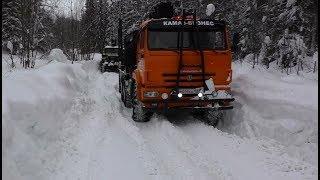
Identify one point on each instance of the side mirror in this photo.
(235, 41)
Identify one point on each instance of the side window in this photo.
(141, 40)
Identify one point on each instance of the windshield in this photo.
(169, 39)
(113, 51)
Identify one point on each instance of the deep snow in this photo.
(277, 106)
(58, 55)
(65, 121)
(40, 60)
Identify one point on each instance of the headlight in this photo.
(151, 94)
(179, 95)
(200, 95)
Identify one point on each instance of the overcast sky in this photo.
(63, 7)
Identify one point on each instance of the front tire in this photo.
(126, 93)
(139, 113)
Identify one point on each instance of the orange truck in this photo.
(181, 62)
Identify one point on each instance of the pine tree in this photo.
(25, 24)
(88, 25)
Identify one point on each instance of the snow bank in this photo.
(93, 65)
(6, 62)
(58, 55)
(33, 111)
(97, 56)
(278, 106)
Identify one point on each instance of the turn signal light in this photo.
(150, 94)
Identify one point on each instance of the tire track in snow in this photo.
(117, 119)
(174, 162)
(163, 132)
(161, 156)
(248, 158)
(95, 140)
(80, 138)
(151, 161)
(190, 157)
(169, 151)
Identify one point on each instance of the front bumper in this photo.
(206, 102)
(212, 97)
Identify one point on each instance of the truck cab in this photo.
(177, 63)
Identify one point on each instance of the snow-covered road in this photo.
(112, 146)
(97, 139)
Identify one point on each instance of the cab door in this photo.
(141, 71)
(140, 46)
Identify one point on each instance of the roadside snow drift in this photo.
(58, 55)
(277, 106)
(34, 107)
(66, 121)
(7, 66)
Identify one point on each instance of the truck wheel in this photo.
(139, 113)
(126, 94)
(122, 92)
(211, 117)
(119, 84)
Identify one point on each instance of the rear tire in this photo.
(126, 94)
(139, 113)
(121, 92)
(210, 116)
(119, 84)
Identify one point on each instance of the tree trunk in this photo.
(314, 33)
(12, 63)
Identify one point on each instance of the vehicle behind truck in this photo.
(181, 62)
(110, 59)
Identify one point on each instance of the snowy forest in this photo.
(268, 30)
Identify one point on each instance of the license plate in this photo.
(190, 90)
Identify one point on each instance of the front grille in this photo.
(186, 79)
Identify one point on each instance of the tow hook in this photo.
(216, 105)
